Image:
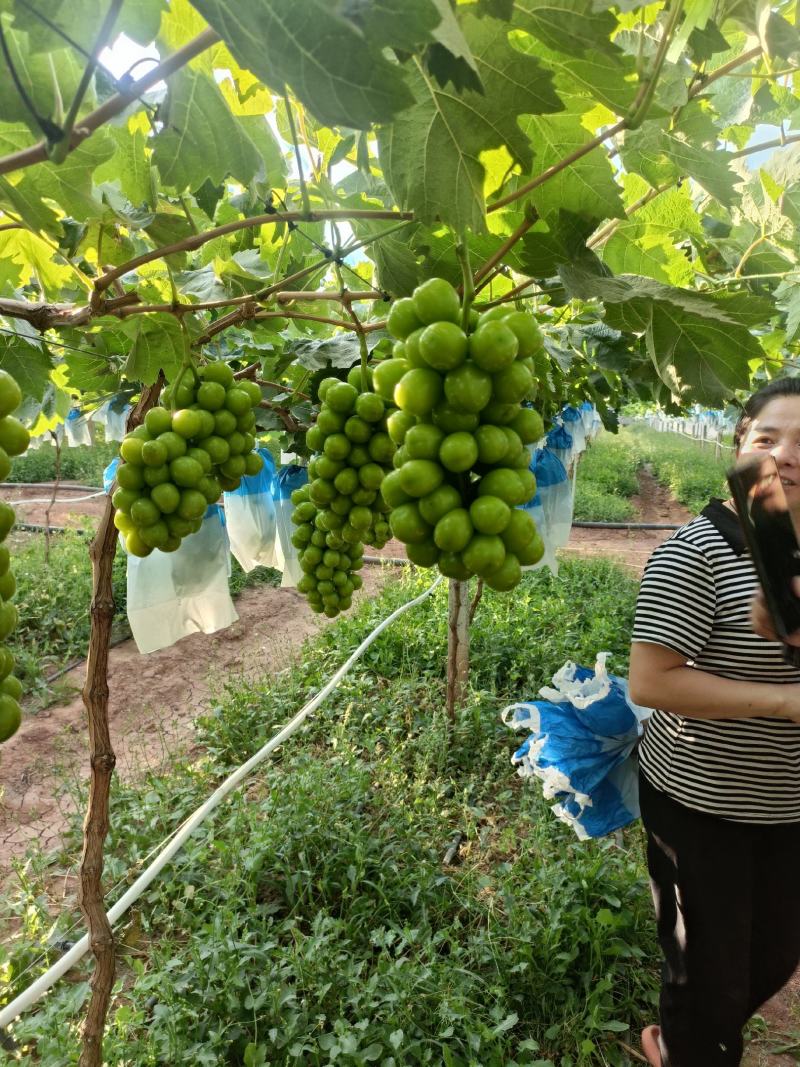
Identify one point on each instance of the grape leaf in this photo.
(70, 183)
(79, 20)
(341, 351)
(89, 373)
(449, 58)
(700, 359)
(430, 154)
(25, 202)
(662, 157)
(639, 248)
(573, 27)
(158, 343)
(25, 357)
(703, 43)
(587, 187)
(404, 26)
(201, 140)
(787, 297)
(699, 344)
(437, 249)
(498, 9)
(129, 165)
(551, 242)
(47, 79)
(38, 262)
(393, 256)
(341, 77)
(603, 77)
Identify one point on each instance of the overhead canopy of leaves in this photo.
(658, 249)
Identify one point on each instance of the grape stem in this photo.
(462, 251)
(347, 304)
(187, 365)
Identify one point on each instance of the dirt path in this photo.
(632, 548)
(71, 509)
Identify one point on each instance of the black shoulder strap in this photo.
(726, 522)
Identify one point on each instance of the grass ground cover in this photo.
(607, 479)
(84, 464)
(54, 597)
(315, 922)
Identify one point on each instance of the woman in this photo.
(720, 768)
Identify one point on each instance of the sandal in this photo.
(650, 1045)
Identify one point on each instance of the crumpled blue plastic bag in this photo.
(581, 740)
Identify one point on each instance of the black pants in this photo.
(727, 898)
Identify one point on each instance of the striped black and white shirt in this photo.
(695, 599)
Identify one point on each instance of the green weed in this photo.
(84, 464)
(607, 477)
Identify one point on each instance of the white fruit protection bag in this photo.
(77, 428)
(289, 478)
(113, 417)
(251, 521)
(174, 594)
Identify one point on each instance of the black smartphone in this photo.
(771, 538)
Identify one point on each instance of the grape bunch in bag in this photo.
(183, 456)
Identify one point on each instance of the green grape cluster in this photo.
(341, 508)
(462, 462)
(183, 456)
(14, 440)
(329, 563)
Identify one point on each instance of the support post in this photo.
(457, 645)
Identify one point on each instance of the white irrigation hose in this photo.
(38, 988)
(64, 500)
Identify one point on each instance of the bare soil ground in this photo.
(156, 698)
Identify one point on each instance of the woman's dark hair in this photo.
(758, 401)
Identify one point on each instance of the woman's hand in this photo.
(761, 619)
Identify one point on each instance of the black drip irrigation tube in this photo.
(628, 525)
(39, 528)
